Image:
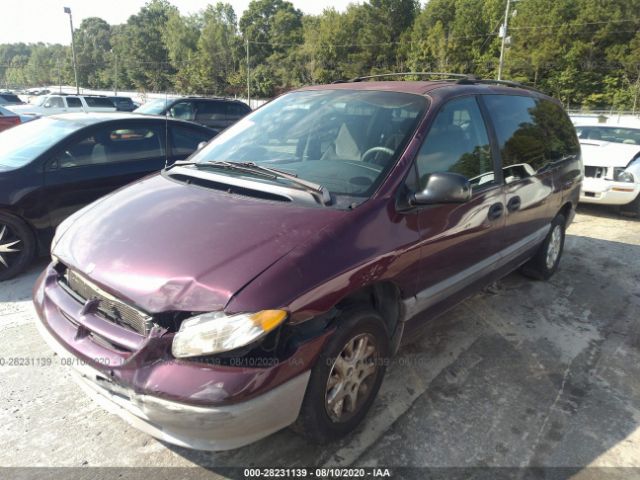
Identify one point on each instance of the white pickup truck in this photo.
(54, 104)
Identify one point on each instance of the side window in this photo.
(54, 102)
(211, 111)
(183, 110)
(532, 134)
(185, 141)
(98, 102)
(112, 145)
(457, 142)
(74, 102)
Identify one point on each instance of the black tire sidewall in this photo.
(537, 267)
(314, 421)
(22, 231)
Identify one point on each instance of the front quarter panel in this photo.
(371, 244)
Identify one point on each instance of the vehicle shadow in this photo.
(19, 288)
(605, 211)
(526, 373)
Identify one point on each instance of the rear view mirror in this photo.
(443, 187)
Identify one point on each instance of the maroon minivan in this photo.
(265, 281)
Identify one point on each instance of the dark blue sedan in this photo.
(53, 166)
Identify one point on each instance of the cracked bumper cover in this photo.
(239, 407)
(201, 428)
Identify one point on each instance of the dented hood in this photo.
(165, 246)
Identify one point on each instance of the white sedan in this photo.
(611, 157)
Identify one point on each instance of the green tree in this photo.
(93, 47)
(141, 49)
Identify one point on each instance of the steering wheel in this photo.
(67, 160)
(373, 150)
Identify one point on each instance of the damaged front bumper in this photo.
(608, 192)
(214, 423)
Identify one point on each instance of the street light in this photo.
(73, 49)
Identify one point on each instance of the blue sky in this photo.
(33, 21)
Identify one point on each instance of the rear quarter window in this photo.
(237, 110)
(531, 132)
(98, 102)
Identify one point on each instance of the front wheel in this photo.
(346, 377)
(17, 246)
(545, 262)
(632, 209)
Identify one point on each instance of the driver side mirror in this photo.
(201, 145)
(47, 105)
(443, 187)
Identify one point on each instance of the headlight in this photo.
(621, 175)
(216, 332)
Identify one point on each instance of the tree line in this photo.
(584, 52)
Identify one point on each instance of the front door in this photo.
(99, 161)
(460, 243)
(54, 105)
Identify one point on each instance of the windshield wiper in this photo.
(317, 190)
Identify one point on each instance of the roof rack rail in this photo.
(461, 78)
(448, 76)
(506, 83)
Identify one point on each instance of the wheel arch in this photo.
(385, 298)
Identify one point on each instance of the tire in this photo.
(632, 208)
(545, 262)
(321, 419)
(17, 246)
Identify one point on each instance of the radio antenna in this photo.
(166, 130)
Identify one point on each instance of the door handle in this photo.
(514, 204)
(495, 211)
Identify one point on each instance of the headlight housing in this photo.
(216, 332)
(621, 175)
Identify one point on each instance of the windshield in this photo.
(344, 140)
(154, 107)
(629, 136)
(23, 143)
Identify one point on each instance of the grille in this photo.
(595, 172)
(109, 307)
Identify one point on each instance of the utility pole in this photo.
(73, 49)
(503, 31)
(115, 80)
(248, 76)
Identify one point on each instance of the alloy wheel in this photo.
(351, 378)
(10, 247)
(555, 244)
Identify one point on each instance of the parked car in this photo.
(266, 281)
(56, 104)
(611, 156)
(7, 98)
(123, 104)
(8, 119)
(215, 113)
(55, 165)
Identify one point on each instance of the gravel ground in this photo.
(524, 374)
